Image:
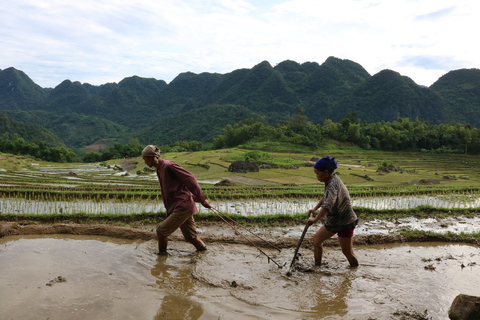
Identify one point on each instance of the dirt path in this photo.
(213, 233)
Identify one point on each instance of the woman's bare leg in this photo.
(347, 248)
(318, 238)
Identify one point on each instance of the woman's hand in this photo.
(311, 216)
(311, 220)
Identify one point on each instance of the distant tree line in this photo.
(181, 146)
(39, 150)
(297, 130)
(405, 135)
(134, 149)
(118, 151)
(399, 135)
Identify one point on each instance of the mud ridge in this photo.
(13, 228)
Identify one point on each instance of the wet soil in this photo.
(282, 237)
(76, 271)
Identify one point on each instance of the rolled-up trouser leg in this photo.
(182, 219)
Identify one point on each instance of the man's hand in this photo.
(206, 204)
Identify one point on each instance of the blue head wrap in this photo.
(326, 163)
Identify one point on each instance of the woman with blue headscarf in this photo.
(336, 206)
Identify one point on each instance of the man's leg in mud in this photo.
(168, 226)
(162, 243)
(199, 244)
(189, 231)
(346, 243)
(318, 238)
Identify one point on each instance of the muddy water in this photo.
(71, 277)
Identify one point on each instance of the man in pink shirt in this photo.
(180, 191)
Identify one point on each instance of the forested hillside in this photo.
(460, 91)
(199, 106)
(11, 128)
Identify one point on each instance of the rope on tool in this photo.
(220, 215)
(242, 226)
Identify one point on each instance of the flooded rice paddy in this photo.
(250, 207)
(86, 277)
(257, 207)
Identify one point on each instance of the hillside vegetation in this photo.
(199, 106)
(294, 135)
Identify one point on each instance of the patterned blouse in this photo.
(336, 199)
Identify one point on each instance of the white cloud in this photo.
(99, 41)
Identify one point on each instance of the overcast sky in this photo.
(100, 41)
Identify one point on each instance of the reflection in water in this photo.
(174, 307)
(173, 275)
(332, 299)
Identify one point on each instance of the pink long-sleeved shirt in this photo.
(180, 189)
